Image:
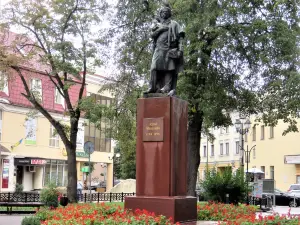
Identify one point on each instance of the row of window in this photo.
(262, 133)
(222, 152)
(35, 86)
(225, 130)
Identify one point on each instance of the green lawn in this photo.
(4, 208)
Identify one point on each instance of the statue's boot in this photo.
(152, 83)
(172, 93)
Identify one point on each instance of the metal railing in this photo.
(104, 197)
(35, 197)
(19, 197)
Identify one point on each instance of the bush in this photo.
(49, 195)
(31, 221)
(217, 184)
(19, 188)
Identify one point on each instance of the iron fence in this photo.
(35, 197)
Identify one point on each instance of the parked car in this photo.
(282, 199)
(294, 190)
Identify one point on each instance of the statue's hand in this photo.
(163, 27)
(180, 53)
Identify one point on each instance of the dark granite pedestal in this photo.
(161, 160)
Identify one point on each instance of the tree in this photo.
(237, 53)
(234, 50)
(62, 37)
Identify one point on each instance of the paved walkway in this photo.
(11, 219)
(17, 219)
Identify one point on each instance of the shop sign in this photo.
(292, 159)
(78, 154)
(38, 162)
(82, 155)
(29, 161)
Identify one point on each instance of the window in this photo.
(271, 132)
(221, 149)
(227, 130)
(272, 172)
(227, 148)
(254, 134)
(221, 130)
(237, 147)
(263, 168)
(36, 88)
(204, 151)
(59, 99)
(3, 83)
(212, 150)
(262, 132)
(54, 139)
(56, 171)
(99, 133)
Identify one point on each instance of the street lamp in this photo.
(247, 155)
(242, 126)
(115, 156)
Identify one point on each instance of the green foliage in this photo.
(49, 195)
(240, 55)
(19, 188)
(217, 184)
(31, 221)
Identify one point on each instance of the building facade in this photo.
(31, 153)
(277, 155)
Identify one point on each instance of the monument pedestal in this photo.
(161, 160)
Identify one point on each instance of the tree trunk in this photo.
(72, 174)
(194, 134)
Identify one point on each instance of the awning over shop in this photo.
(4, 150)
(292, 159)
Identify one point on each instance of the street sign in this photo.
(89, 147)
(85, 169)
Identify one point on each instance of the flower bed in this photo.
(97, 214)
(241, 215)
(113, 214)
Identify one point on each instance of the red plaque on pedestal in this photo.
(161, 160)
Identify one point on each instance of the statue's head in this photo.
(165, 12)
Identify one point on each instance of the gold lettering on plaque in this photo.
(153, 129)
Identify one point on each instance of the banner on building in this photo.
(30, 131)
(80, 136)
(5, 173)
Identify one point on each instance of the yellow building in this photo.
(223, 152)
(277, 155)
(31, 154)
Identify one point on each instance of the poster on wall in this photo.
(80, 136)
(30, 131)
(5, 173)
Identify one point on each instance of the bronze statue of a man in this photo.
(167, 60)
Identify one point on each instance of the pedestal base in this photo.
(180, 208)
